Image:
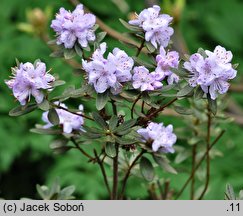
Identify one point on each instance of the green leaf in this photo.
(44, 105)
(53, 117)
(113, 122)
(198, 94)
(69, 53)
(212, 104)
(230, 194)
(57, 54)
(183, 110)
(143, 63)
(66, 193)
(58, 83)
(147, 169)
(43, 192)
(130, 27)
(126, 125)
(99, 120)
(46, 131)
(61, 150)
(22, 110)
(187, 90)
(163, 162)
(58, 143)
(110, 149)
(78, 50)
(101, 100)
(100, 36)
(150, 47)
(125, 141)
(201, 51)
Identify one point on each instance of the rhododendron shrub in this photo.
(129, 94)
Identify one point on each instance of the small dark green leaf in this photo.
(43, 192)
(164, 164)
(147, 169)
(58, 143)
(44, 105)
(99, 120)
(66, 193)
(150, 47)
(58, 83)
(230, 192)
(113, 122)
(110, 149)
(130, 27)
(69, 53)
(212, 104)
(61, 150)
(187, 90)
(78, 50)
(183, 110)
(46, 131)
(53, 117)
(125, 141)
(198, 94)
(101, 100)
(141, 62)
(201, 51)
(126, 125)
(57, 54)
(22, 110)
(100, 36)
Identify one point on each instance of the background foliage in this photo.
(26, 159)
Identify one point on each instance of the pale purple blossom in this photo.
(211, 73)
(108, 73)
(72, 27)
(67, 120)
(161, 137)
(155, 25)
(29, 79)
(165, 62)
(144, 80)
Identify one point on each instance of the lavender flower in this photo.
(69, 121)
(155, 25)
(166, 61)
(162, 137)
(30, 80)
(108, 73)
(146, 81)
(211, 73)
(75, 26)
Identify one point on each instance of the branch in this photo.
(78, 114)
(207, 155)
(103, 172)
(81, 150)
(199, 163)
(128, 173)
(160, 109)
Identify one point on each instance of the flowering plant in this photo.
(129, 93)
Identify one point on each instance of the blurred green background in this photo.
(26, 159)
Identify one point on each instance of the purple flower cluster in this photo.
(108, 73)
(162, 137)
(155, 25)
(30, 80)
(146, 81)
(69, 121)
(166, 61)
(211, 73)
(75, 26)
